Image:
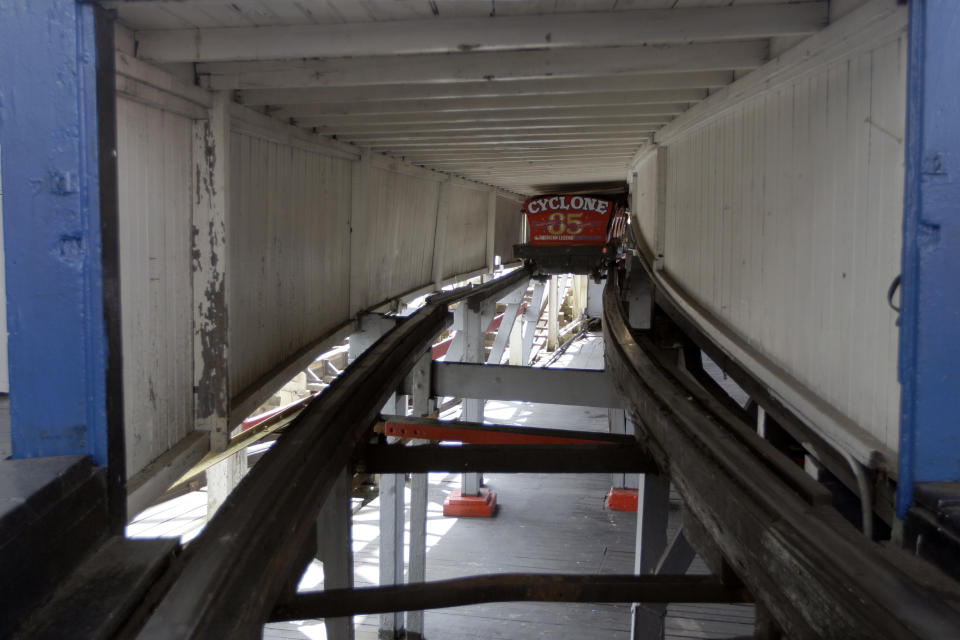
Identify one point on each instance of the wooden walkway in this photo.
(550, 523)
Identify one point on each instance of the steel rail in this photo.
(814, 572)
(508, 587)
(227, 581)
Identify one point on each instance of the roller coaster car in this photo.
(572, 234)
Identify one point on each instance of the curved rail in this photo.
(228, 580)
(814, 572)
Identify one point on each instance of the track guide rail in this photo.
(228, 580)
(814, 572)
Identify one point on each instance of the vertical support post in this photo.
(491, 231)
(512, 301)
(660, 215)
(471, 500)
(211, 158)
(553, 325)
(652, 510)
(617, 423)
(675, 560)
(473, 351)
(57, 133)
(516, 342)
(391, 546)
(761, 422)
(929, 348)
(531, 318)
(417, 571)
(334, 548)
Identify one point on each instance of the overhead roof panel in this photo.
(521, 94)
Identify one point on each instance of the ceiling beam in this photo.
(500, 115)
(445, 36)
(509, 141)
(617, 131)
(480, 165)
(448, 105)
(375, 127)
(476, 67)
(553, 86)
(427, 155)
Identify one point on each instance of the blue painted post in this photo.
(60, 250)
(930, 318)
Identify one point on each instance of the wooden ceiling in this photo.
(525, 95)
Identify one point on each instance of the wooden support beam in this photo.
(508, 587)
(545, 110)
(446, 105)
(578, 387)
(485, 89)
(447, 36)
(476, 67)
(515, 458)
(477, 433)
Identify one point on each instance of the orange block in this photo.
(622, 499)
(457, 505)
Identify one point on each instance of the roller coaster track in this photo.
(759, 521)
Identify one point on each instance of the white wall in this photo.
(393, 234)
(465, 241)
(315, 233)
(509, 227)
(155, 186)
(783, 220)
(289, 251)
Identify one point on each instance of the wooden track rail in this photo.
(228, 580)
(508, 587)
(816, 574)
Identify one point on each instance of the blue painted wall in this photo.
(51, 209)
(930, 319)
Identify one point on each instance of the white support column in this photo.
(211, 158)
(417, 571)
(391, 546)
(504, 334)
(531, 318)
(475, 324)
(553, 328)
(334, 549)
(652, 510)
(761, 422)
(392, 486)
(516, 342)
(648, 619)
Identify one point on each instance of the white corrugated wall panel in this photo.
(154, 161)
(644, 197)
(784, 219)
(289, 252)
(466, 238)
(395, 237)
(508, 228)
